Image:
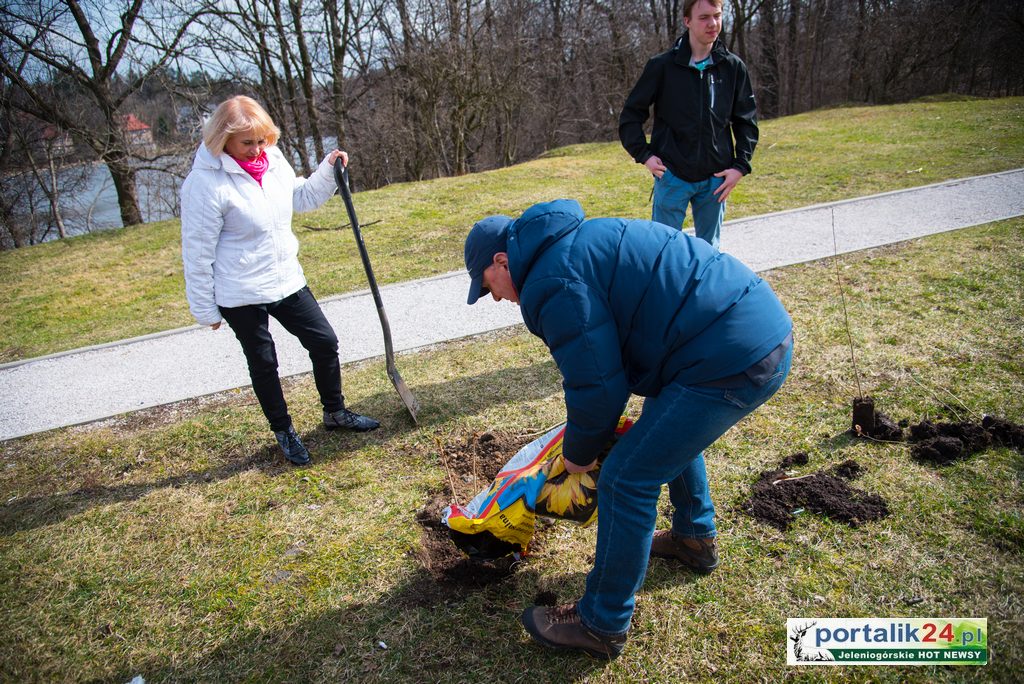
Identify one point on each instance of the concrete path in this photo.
(98, 382)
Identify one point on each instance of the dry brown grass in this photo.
(176, 544)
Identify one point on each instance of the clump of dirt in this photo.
(1004, 432)
(946, 443)
(848, 470)
(776, 498)
(940, 443)
(799, 458)
(886, 429)
(545, 598)
(863, 415)
(471, 466)
(939, 450)
(867, 422)
(972, 435)
(443, 561)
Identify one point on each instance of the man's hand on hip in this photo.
(655, 166)
(732, 177)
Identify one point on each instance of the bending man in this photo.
(635, 307)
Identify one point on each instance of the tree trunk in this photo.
(54, 195)
(123, 175)
(793, 67)
(293, 98)
(855, 79)
(306, 72)
(337, 32)
(768, 100)
(738, 39)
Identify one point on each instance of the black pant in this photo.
(300, 314)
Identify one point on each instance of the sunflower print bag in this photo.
(501, 519)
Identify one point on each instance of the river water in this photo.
(90, 201)
(96, 208)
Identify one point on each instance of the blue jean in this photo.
(664, 446)
(672, 195)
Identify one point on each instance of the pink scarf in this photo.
(256, 168)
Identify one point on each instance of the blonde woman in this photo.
(241, 265)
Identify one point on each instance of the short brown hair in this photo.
(238, 114)
(688, 6)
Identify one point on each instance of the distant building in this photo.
(138, 134)
(40, 137)
(192, 118)
(57, 140)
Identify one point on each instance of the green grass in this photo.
(174, 544)
(109, 286)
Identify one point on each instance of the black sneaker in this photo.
(699, 555)
(292, 446)
(561, 627)
(349, 420)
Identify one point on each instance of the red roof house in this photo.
(136, 131)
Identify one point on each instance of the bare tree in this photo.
(81, 67)
(350, 29)
(10, 194)
(45, 171)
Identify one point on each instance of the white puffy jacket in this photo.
(237, 243)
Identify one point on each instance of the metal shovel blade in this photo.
(403, 390)
(341, 178)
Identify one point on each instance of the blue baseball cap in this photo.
(488, 237)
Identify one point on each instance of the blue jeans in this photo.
(664, 446)
(672, 195)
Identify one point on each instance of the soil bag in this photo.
(501, 519)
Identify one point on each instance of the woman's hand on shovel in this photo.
(333, 157)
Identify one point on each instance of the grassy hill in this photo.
(174, 543)
(112, 285)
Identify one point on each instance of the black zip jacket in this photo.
(695, 115)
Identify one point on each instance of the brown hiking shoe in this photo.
(560, 627)
(699, 555)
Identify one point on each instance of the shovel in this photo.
(341, 178)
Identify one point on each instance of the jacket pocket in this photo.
(720, 98)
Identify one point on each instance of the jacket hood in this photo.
(206, 160)
(684, 52)
(538, 228)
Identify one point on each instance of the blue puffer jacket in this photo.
(629, 306)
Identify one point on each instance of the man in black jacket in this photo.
(702, 99)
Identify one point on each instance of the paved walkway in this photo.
(98, 382)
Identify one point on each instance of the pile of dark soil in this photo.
(443, 561)
(776, 497)
(946, 443)
(797, 459)
(1010, 435)
(848, 470)
(886, 429)
(867, 422)
(939, 443)
(471, 466)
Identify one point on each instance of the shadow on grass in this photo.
(440, 402)
(421, 631)
(38, 511)
(447, 633)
